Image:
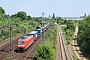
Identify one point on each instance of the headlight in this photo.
(22, 45)
(18, 45)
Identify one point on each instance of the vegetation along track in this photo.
(6, 28)
(63, 50)
(27, 55)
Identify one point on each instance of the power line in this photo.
(10, 32)
(43, 25)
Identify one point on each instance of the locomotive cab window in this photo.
(20, 42)
(22, 38)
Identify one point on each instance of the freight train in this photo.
(27, 40)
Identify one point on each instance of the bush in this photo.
(44, 52)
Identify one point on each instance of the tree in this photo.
(29, 17)
(85, 15)
(2, 11)
(49, 16)
(71, 26)
(84, 35)
(53, 16)
(65, 21)
(21, 14)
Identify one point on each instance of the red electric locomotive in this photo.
(24, 42)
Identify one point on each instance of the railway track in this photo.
(30, 52)
(5, 48)
(63, 50)
(27, 55)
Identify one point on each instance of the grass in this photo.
(10, 58)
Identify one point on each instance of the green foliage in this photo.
(69, 30)
(52, 37)
(0, 40)
(44, 52)
(4, 35)
(60, 21)
(29, 17)
(2, 11)
(3, 20)
(68, 39)
(15, 21)
(37, 19)
(65, 21)
(10, 58)
(22, 15)
(84, 35)
(70, 25)
(76, 59)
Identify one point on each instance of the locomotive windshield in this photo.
(20, 42)
(23, 38)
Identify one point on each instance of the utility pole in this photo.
(2, 29)
(43, 23)
(10, 32)
(49, 19)
(57, 20)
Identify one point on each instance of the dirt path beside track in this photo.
(75, 46)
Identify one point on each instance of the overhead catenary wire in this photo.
(43, 24)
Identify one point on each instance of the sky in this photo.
(34, 8)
